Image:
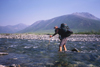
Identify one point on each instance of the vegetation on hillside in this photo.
(89, 32)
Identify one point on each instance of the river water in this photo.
(44, 53)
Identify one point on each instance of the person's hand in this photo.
(50, 36)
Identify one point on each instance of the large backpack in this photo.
(64, 29)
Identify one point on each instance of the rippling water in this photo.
(42, 53)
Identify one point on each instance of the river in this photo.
(44, 53)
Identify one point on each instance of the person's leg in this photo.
(65, 49)
(61, 44)
(60, 48)
(64, 43)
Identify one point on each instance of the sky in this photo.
(13, 12)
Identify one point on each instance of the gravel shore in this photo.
(74, 37)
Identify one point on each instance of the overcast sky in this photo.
(13, 12)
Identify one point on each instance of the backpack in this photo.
(64, 29)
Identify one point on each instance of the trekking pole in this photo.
(48, 43)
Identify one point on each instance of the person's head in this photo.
(55, 27)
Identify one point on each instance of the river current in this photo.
(44, 53)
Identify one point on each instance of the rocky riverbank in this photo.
(74, 37)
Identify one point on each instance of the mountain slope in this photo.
(12, 29)
(78, 22)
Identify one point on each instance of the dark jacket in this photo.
(58, 31)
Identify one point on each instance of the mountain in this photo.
(78, 22)
(12, 29)
(86, 15)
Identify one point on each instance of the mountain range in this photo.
(77, 22)
(12, 28)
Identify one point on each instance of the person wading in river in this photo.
(63, 34)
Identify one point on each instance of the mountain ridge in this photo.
(86, 15)
(76, 22)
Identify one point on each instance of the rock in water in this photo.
(3, 53)
(2, 66)
(75, 50)
(14, 65)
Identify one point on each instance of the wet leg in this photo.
(65, 49)
(60, 48)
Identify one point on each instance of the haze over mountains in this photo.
(12, 29)
(78, 22)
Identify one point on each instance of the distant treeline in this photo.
(89, 32)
